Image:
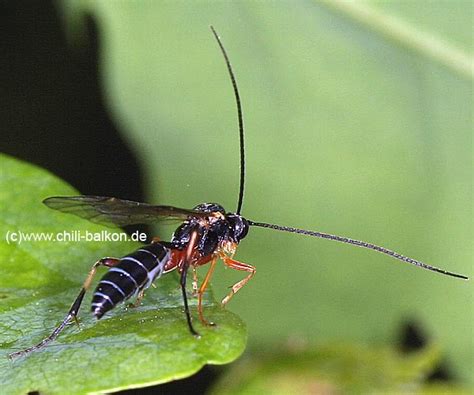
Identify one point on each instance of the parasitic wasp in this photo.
(207, 233)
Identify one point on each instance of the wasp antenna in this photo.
(358, 243)
(241, 120)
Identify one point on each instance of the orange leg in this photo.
(202, 289)
(237, 266)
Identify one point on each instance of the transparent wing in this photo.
(111, 211)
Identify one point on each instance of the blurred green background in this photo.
(358, 122)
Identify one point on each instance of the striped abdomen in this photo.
(134, 272)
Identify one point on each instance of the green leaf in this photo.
(358, 122)
(334, 369)
(39, 280)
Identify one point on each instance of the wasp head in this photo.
(238, 227)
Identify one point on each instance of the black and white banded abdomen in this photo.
(134, 273)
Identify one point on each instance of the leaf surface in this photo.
(40, 279)
(337, 369)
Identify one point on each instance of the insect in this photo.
(207, 233)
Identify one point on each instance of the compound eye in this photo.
(244, 229)
(239, 227)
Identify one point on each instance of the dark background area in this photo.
(53, 115)
(52, 112)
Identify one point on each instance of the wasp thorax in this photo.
(210, 208)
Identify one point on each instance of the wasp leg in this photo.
(202, 288)
(195, 281)
(233, 264)
(72, 314)
(138, 300)
(184, 270)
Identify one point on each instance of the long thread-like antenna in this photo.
(358, 243)
(241, 121)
